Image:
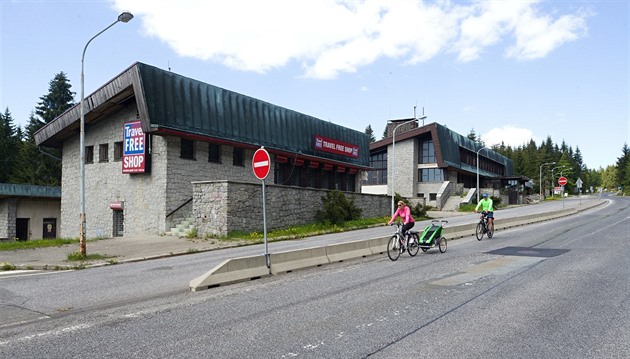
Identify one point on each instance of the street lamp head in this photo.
(125, 17)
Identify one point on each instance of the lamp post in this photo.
(540, 196)
(394, 157)
(482, 147)
(123, 17)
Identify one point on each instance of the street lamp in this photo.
(482, 147)
(123, 17)
(394, 156)
(540, 198)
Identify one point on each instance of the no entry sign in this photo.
(261, 163)
(562, 181)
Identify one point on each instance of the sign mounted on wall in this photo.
(336, 147)
(134, 148)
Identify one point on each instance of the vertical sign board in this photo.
(134, 149)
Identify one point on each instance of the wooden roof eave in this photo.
(104, 100)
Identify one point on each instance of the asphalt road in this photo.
(557, 289)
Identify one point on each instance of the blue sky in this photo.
(510, 70)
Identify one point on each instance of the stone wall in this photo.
(220, 207)
(8, 208)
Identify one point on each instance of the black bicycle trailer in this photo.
(432, 236)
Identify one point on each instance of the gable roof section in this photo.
(171, 103)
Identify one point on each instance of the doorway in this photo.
(21, 229)
(119, 223)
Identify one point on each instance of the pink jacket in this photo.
(404, 213)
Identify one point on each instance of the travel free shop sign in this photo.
(134, 149)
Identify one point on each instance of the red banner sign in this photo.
(336, 147)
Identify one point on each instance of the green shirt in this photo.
(485, 204)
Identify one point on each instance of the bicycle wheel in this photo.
(479, 231)
(393, 248)
(413, 245)
(442, 245)
(490, 232)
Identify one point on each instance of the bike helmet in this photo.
(485, 195)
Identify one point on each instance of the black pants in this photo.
(407, 227)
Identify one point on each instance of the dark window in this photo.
(103, 152)
(428, 152)
(378, 176)
(238, 157)
(432, 196)
(431, 175)
(118, 151)
(214, 153)
(187, 149)
(89, 154)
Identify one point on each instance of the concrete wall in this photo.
(220, 207)
(36, 211)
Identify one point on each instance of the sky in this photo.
(511, 71)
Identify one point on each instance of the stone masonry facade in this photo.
(220, 207)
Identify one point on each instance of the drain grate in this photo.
(528, 252)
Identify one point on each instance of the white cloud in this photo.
(329, 37)
(509, 136)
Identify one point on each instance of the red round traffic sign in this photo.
(261, 163)
(562, 181)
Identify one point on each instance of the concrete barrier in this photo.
(378, 245)
(283, 262)
(232, 271)
(342, 251)
(247, 268)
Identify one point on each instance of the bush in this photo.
(337, 209)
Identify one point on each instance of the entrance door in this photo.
(50, 228)
(21, 229)
(119, 223)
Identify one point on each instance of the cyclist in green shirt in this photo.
(487, 209)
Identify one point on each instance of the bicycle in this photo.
(398, 243)
(482, 227)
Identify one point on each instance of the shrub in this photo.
(337, 209)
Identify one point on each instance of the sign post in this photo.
(562, 181)
(261, 163)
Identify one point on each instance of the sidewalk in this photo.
(138, 248)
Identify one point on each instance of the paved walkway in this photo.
(136, 248)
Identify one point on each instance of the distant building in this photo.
(29, 212)
(434, 165)
(153, 138)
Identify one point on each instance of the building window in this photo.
(378, 176)
(89, 154)
(118, 151)
(428, 152)
(432, 196)
(103, 152)
(214, 153)
(187, 149)
(238, 157)
(431, 175)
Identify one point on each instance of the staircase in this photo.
(182, 229)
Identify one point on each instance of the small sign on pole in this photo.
(562, 181)
(261, 163)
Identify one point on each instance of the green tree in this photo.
(622, 166)
(609, 178)
(370, 133)
(9, 142)
(58, 99)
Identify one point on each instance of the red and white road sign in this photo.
(261, 163)
(562, 181)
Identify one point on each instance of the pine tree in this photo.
(9, 142)
(370, 133)
(58, 99)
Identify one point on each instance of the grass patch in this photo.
(307, 230)
(77, 256)
(6, 266)
(40, 243)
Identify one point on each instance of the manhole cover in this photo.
(528, 252)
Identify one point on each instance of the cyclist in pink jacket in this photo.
(405, 213)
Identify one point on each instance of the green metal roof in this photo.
(22, 190)
(170, 102)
